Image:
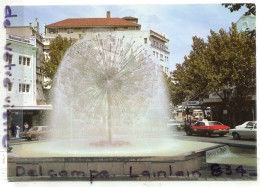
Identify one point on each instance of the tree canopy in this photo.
(51, 62)
(226, 60)
(237, 6)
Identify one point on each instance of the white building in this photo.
(22, 89)
(84, 28)
(25, 89)
(245, 23)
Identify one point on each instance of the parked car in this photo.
(36, 132)
(246, 131)
(244, 124)
(207, 128)
(173, 125)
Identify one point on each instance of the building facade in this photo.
(246, 23)
(156, 44)
(25, 88)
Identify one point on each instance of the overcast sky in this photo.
(178, 22)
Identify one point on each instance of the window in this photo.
(20, 60)
(245, 26)
(145, 40)
(70, 31)
(45, 128)
(28, 61)
(153, 54)
(161, 57)
(214, 123)
(24, 61)
(24, 88)
(51, 30)
(250, 125)
(10, 60)
(157, 55)
(27, 88)
(33, 129)
(156, 44)
(153, 42)
(9, 86)
(201, 124)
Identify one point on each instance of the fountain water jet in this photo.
(109, 83)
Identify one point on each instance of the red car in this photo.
(207, 128)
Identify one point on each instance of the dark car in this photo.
(36, 132)
(207, 128)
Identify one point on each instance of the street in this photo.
(227, 139)
(181, 135)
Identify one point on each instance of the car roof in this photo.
(39, 126)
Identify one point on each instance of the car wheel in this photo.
(207, 133)
(236, 136)
(28, 139)
(39, 137)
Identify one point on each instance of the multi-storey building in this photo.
(25, 89)
(83, 28)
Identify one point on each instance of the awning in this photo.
(37, 107)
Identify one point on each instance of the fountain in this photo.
(110, 114)
(109, 88)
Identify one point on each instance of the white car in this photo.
(245, 131)
(244, 124)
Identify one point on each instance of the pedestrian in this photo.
(12, 130)
(18, 131)
(26, 127)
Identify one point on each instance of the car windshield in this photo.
(33, 129)
(45, 128)
(211, 123)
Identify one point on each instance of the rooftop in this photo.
(80, 22)
(129, 17)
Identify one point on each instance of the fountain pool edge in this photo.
(107, 168)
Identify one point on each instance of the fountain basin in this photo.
(85, 148)
(165, 163)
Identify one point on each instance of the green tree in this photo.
(237, 6)
(51, 62)
(226, 61)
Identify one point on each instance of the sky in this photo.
(178, 22)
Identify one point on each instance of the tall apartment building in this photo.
(26, 86)
(156, 44)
